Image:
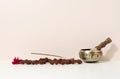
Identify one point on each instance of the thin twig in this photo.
(47, 54)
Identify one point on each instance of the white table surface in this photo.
(106, 70)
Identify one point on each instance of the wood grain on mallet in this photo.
(104, 43)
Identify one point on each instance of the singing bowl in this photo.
(90, 56)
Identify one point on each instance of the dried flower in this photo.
(16, 60)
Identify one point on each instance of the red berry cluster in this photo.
(46, 60)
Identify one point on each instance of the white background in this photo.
(61, 27)
(108, 70)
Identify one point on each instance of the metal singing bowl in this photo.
(90, 55)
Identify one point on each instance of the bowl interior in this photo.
(85, 49)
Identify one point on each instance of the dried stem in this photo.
(47, 54)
